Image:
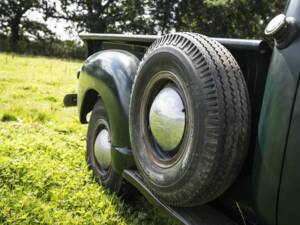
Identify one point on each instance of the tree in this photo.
(13, 23)
(100, 16)
(163, 14)
(222, 18)
(226, 18)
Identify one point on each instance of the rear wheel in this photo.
(99, 149)
(189, 119)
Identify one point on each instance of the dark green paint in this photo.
(122, 158)
(110, 74)
(289, 197)
(274, 125)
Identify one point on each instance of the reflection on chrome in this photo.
(102, 149)
(167, 118)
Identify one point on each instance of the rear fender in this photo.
(109, 75)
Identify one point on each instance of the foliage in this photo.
(218, 18)
(46, 47)
(226, 18)
(103, 16)
(43, 173)
(163, 14)
(15, 25)
(223, 18)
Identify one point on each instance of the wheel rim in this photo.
(102, 148)
(162, 153)
(167, 118)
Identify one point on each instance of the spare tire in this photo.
(189, 119)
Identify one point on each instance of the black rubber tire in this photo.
(108, 178)
(218, 126)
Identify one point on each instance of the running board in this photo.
(200, 215)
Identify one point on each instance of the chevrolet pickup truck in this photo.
(207, 129)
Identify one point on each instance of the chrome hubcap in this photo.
(102, 148)
(167, 118)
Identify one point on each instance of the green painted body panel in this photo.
(289, 195)
(110, 74)
(272, 134)
(274, 126)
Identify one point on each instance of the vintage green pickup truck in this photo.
(207, 129)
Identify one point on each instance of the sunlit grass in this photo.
(43, 174)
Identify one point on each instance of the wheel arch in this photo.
(89, 100)
(108, 75)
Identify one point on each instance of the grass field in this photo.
(43, 174)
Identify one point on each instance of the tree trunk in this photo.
(15, 32)
(97, 26)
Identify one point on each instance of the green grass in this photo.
(43, 174)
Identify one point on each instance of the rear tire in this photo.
(217, 119)
(106, 176)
